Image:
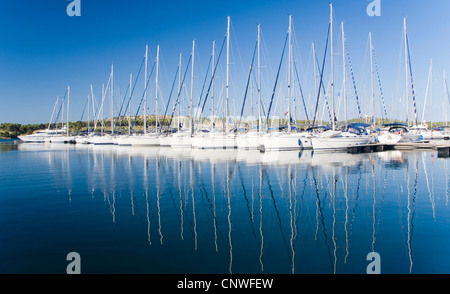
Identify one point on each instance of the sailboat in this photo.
(183, 137)
(217, 139)
(424, 132)
(42, 136)
(285, 139)
(104, 138)
(250, 139)
(152, 138)
(63, 137)
(334, 139)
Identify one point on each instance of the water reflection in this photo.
(251, 212)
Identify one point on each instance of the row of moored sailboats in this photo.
(231, 136)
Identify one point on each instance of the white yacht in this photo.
(425, 133)
(42, 135)
(103, 139)
(249, 140)
(150, 139)
(334, 140)
(214, 140)
(181, 139)
(285, 141)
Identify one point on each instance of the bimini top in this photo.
(320, 128)
(396, 124)
(358, 125)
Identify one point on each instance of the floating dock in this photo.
(367, 148)
(443, 149)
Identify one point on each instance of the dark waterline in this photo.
(156, 210)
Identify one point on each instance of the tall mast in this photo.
(89, 114)
(315, 72)
(179, 91)
(156, 96)
(259, 80)
(103, 110)
(431, 91)
(145, 90)
(129, 107)
(406, 72)
(332, 64)
(57, 100)
(345, 73)
(227, 79)
(289, 73)
(212, 85)
(68, 102)
(445, 92)
(93, 110)
(191, 114)
(111, 91)
(371, 75)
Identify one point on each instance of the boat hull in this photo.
(214, 141)
(285, 142)
(339, 142)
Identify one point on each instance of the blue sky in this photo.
(42, 50)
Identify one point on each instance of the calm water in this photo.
(155, 210)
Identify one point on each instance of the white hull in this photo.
(42, 136)
(33, 139)
(123, 141)
(388, 138)
(248, 141)
(431, 135)
(214, 141)
(164, 141)
(61, 139)
(410, 137)
(285, 142)
(102, 140)
(180, 140)
(140, 140)
(82, 140)
(338, 141)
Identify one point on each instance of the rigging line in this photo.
(276, 80)
(322, 217)
(412, 83)
(123, 100)
(276, 210)
(301, 91)
(258, 89)
(249, 210)
(84, 109)
(180, 89)
(100, 111)
(379, 84)
(248, 82)
(353, 79)
(170, 96)
(321, 76)
(132, 91)
(212, 78)
(448, 95)
(204, 82)
(60, 107)
(143, 94)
